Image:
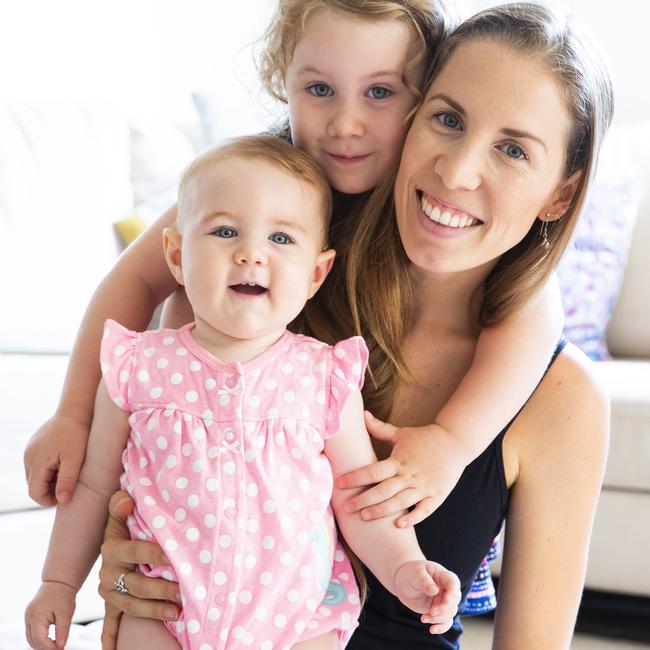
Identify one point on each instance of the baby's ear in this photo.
(324, 263)
(172, 246)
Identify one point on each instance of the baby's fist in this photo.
(53, 604)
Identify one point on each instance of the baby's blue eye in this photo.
(225, 232)
(514, 151)
(320, 90)
(378, 92)
(449, 120)
(280, 238)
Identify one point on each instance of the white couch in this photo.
(56, 215)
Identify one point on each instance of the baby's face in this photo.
(251, 248)
(347, 99)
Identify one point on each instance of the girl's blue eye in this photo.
(378, 92)
(449, 120)
(514, 151)
(225, 232)
(280, 238)
(320, 90)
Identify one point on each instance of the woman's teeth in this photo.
(446, 217)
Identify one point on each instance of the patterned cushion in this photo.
(591, 270)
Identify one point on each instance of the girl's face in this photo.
(484, 157)
(347, 100)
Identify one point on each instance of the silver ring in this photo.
(120, 587)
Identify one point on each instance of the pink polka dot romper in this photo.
(225, 463)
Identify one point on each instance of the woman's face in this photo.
(484, 157)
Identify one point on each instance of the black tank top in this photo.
(458, 535)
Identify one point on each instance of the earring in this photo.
(545, 242)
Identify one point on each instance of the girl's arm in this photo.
(79, 525)
(559, 443)
(426, 462)
(392, 554)
(137, 284)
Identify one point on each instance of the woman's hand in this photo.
(147, 597)
(423, 468)
(53, 458)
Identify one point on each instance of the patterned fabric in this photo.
(482, 597)
(591, 270)
(225, 463)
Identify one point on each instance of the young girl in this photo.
(350, 72)
(230, 420)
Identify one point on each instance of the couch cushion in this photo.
(628, 384)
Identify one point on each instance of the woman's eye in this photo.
(320, 90)
(448, 120)
(378, 92)
(280, 238)
(514, 151)
(225, 232)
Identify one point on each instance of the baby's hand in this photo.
(431, 590)
(53, 605)
(423, 468)
(53, 459)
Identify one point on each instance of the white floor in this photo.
(478, 635)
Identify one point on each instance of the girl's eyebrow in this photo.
(510, 133)
(380, 73)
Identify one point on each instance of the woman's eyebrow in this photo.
(445, 98)
(516, 133)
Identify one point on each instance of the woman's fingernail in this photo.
(170, 613)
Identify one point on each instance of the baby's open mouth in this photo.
(249, 289)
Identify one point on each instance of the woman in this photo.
(506, 141)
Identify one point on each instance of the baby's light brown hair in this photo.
(270, 149)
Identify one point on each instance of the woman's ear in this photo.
(324, 263)
(562, 197)
(172, 241)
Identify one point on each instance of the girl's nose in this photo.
(347, 121)
(459, 167)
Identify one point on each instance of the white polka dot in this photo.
(199, 433)
(193, 500)
(269, 506)
(280, 621)
(320, 366)
(180, 626)
(320, 397)
(186, 568)
(205, 556)
(191, 396)
(289, 397)
(305, 381)
(252, 490)
(245, 597)
(186, 449)
(268, 542)
(176, 378)
(311, 604)
(271, 384)
(297, 453)
(155, 393)
(223, 635)
(225, 541)
(212, 484)
(272, 413)
(285, 472)
(124, 376)
(224, 399)
(181, 352)
(252, 525)
(158, 522)
(249, 455)
(205, 646)
(168, 575)
(177, 427)
(149, 352)
(193, 626)
(195, 366)
(161, 442)
(219, 578)
(119, 401)
(168, 340)
(165, 495)
(300, 626)
(210, 521)
(250, 561)
(214, 614)
(162, 363)
(171, 544)
(213, 452)
(303, 536)
(293, 595)
(286, 558)
(200, 592)
(254, 401)
(181, 482)
(171, 461)
(149, 501)
(145, 481)
(192, 534)
(142, 375)
(180, 514)
(265, 578)
(118, 350)
(280, 438)
(339, 556)
(210, 383)
(197, 466)
(304, 484)
(286, 368)
(266, 645)
(294, 505)
(229, 467)
(143, 462)
(302, 356)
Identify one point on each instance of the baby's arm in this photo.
(79, 527)
(139, 281)
(392, 554)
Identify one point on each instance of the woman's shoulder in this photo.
(565, 421)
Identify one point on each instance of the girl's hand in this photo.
(53, 459)
(53, 605)
(147, 597)
(430, 589)
(423, 468)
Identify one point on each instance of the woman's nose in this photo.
(346, 121)
(459, 167)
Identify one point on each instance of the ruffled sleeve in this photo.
(117, 354)
(349, 359)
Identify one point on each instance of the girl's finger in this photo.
(421, 511)
(380, 430)
(369, 475)
(392, 506)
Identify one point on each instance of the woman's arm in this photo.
(137, 284)
(555, 456)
